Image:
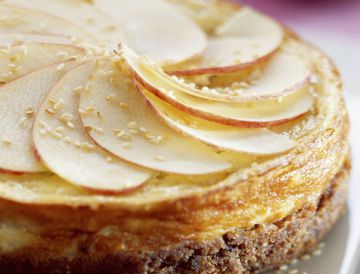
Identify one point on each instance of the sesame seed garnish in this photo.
(124, 136)
(306, 257)
(60, 67)
(70, 125)
(293, 271)
(67, 139)
(110, 97)
(126, 145)
(159, 158)
(283, 267)
(23, 50)
(317, 252)
(87, 146)
(22, 121)
(43, 132)
(15, 58)
(109, 159)
(78, 89)
(58, 104)
(6, 141)
(132, 125)
(50, 111)
(124, 105)
(59, 129)
(62, 55)
(29, 110)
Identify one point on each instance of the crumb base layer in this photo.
(243, 251)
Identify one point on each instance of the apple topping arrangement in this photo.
(107, 94)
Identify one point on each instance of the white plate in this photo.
(341, 253)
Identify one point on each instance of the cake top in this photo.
(118, 101)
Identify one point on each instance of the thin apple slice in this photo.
(56, 138)
(283, 75)
(133, 132)
(17, 38)
(243, 114)
(81, 14)
(246, 39)
(35, 22)
(19, 60)
(157, 29)
(254, 141)
(19, 101)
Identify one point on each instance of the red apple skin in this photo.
(221, 70)
(209, 116)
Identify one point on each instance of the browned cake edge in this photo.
(243, 251)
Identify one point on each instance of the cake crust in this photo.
(259, 248)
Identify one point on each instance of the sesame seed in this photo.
(283, 267)
(77, 89)
(87, 146)
(159, 158)
(22, 121)
(111, 96)
(60, 67)
(60, 129)
(293, 271)
(23, 50)
(132, 125)
(306, 257)
(67, 139)
(126, 145)
(70, 125)
(43, 132)
(124, 105)
(15, 58)
(6, 141)
(50, 111)
(57, 135)
(317, 252)
(124, 136)
(109, 159)
(29, 110)
(58, 104)
(62, 55)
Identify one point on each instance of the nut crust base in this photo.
(243, 251)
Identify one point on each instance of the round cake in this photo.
(164, 137)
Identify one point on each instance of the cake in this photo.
(164, 137)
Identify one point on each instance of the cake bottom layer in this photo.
(257, 249)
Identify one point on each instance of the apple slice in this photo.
(14, 38)
(80, 14)
(243, 114)
(56, 139)
(246, 39)
(284, 74)
(19, 60)
(157, 29)
(254, 141)
(19, 101)
(35, 22)
(127, 127)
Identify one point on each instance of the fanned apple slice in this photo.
(247, 114)
(283, 75)
(13, 38)
(19, 60)
(58, 134)
(255, 141)
(81, 14)
(19, 101)
(157, 29)
(119, 120)
(30, 21)
(246, 39)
